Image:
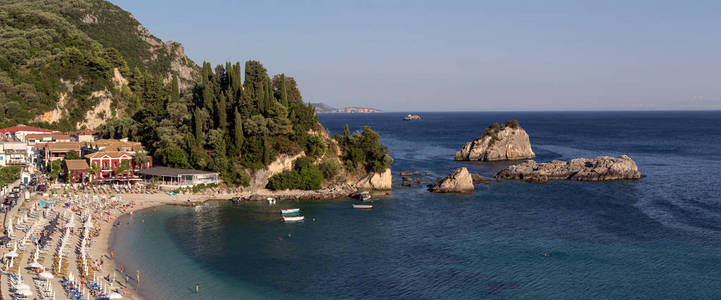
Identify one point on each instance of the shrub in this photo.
(304, 176)
(329, 168)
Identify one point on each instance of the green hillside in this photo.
(48, 48)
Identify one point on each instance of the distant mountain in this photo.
(322, 108)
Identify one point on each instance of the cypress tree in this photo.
(198, 126)
(283, 91)
(221, 113)
(174, 90)
(237, 130)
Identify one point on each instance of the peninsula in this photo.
(322, 108)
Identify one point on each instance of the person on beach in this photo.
(127, 279)
(137, 275)
(197, 288)
(121, 268)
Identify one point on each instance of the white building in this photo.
(20, 131)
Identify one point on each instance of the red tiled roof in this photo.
(24, 128)
(112, 154)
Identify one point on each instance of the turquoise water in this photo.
(653, 238)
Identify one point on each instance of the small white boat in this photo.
(290, 211)
(293, 218)
(271, 201)
(362, 206)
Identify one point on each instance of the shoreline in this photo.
(107, 237)
(126, 205)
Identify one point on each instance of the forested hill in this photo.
(71, 64)
(89, 64)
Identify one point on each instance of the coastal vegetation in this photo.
(9, 175)
(362, 150)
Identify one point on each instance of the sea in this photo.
(654, 238)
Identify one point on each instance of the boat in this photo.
(293, 218)
(290, 211)
(365, 196)
(271, 201)
(411, 117)
(362, 206)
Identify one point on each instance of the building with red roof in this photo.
(20, 131)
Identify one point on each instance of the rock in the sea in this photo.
(477, 179)
(459, 181)
(499, 142)
(581, 169)
(409, 173)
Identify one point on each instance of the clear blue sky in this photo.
(463, 55)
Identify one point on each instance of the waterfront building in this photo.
(179, 177)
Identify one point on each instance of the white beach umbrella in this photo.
(71, 278)
(22, 286)
(46, 275)
(36, 265)
(88, 223)
(37, 253)
(12, 254)
(114, 295)
(26, 293)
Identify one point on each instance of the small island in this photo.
(410, 117)
(499, 142)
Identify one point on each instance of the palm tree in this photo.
(93, 170)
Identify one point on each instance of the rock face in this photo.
(499, 142)
(581, 169)
(283, 163)
(376, 181)
(459, 181)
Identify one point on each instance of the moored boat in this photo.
(293, 218)
(362, 206)
(365, 196)
(290, 211)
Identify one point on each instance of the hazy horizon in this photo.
(463, 55)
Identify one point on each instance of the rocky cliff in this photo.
(581, 169)
(376, 181)
(499, 142)
(459, 181)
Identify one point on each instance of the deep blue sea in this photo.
(655, 238)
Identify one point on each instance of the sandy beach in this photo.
(104, 210)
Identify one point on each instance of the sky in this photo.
(463, 55)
